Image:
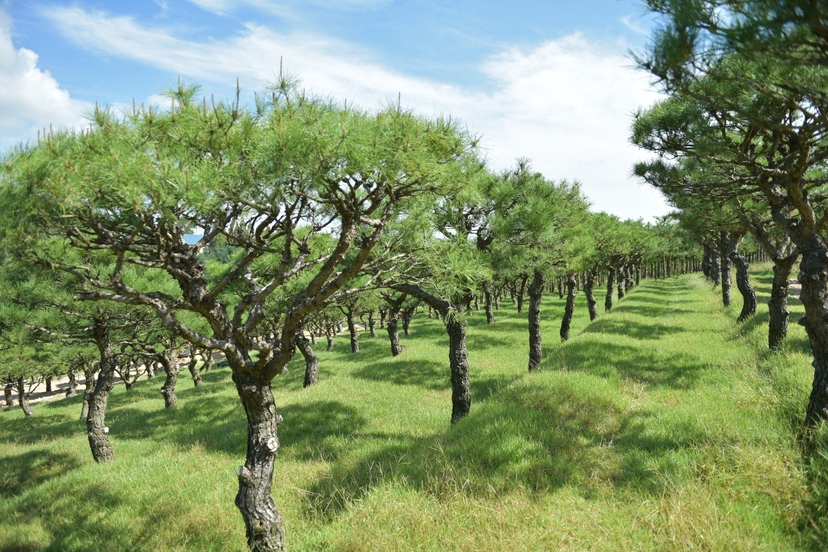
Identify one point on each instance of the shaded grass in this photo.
(662, 425)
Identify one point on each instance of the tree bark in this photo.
(521, 291)
(23, 397)
(407, 314)
(263, 523)
(329, 335)
(459, 363)
(171, 367)
(621, 276)
(393, 334)
(8, 393)
(73, 383)
(487, 302)
(311, 360)
(569, 309)
(589, 291)
(778, 304)
(743, 284)
(192, 366)
(352, 331)
(535, 339)
(371, 324)
(96, 429)
(610, 285)
(715, 266)
(89, 388)
(48, 384)
(725, 247)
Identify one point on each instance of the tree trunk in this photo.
(23, 397)
(487, 302)
(352, 331)
(371, 325)
(715, 266)
(207, 356)
(329, 335)
(89, 388)
(724, 263)
(383, 313)
(73, 383)
(569, 309)
(610, 284)
(407, 314)
(8, 393)
(589, 291)
(743, 284)
(263, 523)
(521, 291)
(150, 370)
(311, 360)
(459, 362)
(535, 341)
(621, 276)
(560, 288)
(96, 429)
(192, 366)
(393, 334)
(778, 304)
(168, 389)
(48, 384)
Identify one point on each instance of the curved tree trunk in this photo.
(89, 388)
(487, 302)
(96, 429)
(407, 314)
(569, 309)
(610, 285)
(73, 383)
(329, 336)
(371, 324)
(8, 393)
(459, 363)
(171, 367)
(778, 304)
(263, 523)
(352, 331)
(393, 334)
(192, 366)
(23, 397)
(589, 292)
(311, 360)
(743, 284)
(535, 339)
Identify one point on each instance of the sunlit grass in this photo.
(662, 425)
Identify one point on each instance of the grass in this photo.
(663, 425)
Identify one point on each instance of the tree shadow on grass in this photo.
(670, 370)
(427, 374)
(24, 471)
(532, 438)
(637, 330)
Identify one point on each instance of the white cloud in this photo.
(30, 99)
(565, 103)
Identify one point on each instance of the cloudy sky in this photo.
(549, 80)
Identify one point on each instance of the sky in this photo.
(552, 81)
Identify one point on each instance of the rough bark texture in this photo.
(262, 521)
(96, 429)
(168, 389)
(393, 334)
(192, 366)
(521, 291)
(459, 363)
(813, 276)
(49, 384)
(743, 284)
(568, 309)
(8, 393)
(621, 276)
(329, 336)
(407, 315)
(589, 291)
(311, 361)
(724, 263)
(89, 388)
(778, 304)
(610, 284)
(73, 383)
(487, 302)
(715, 267)
(352, 332)
(371, 324)
(535, 341)
(23, 397)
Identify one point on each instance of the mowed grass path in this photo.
(662, 425)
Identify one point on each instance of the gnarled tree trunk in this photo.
(192, 366)
(459, 363)
(778, 304)
(23, 397)
(263, 523)
(371, 324)
(8, 390)
(725, 248)
(535, 339)
(73, 383)
(743, 284)
(170, 364)
(96, 429)
(569, 309)
(311, 360)
(89, 387)
(393, 334)
(589, 291)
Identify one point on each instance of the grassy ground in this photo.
(662, 425)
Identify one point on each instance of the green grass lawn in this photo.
(663, 425)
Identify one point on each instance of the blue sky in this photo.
(551, 81)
